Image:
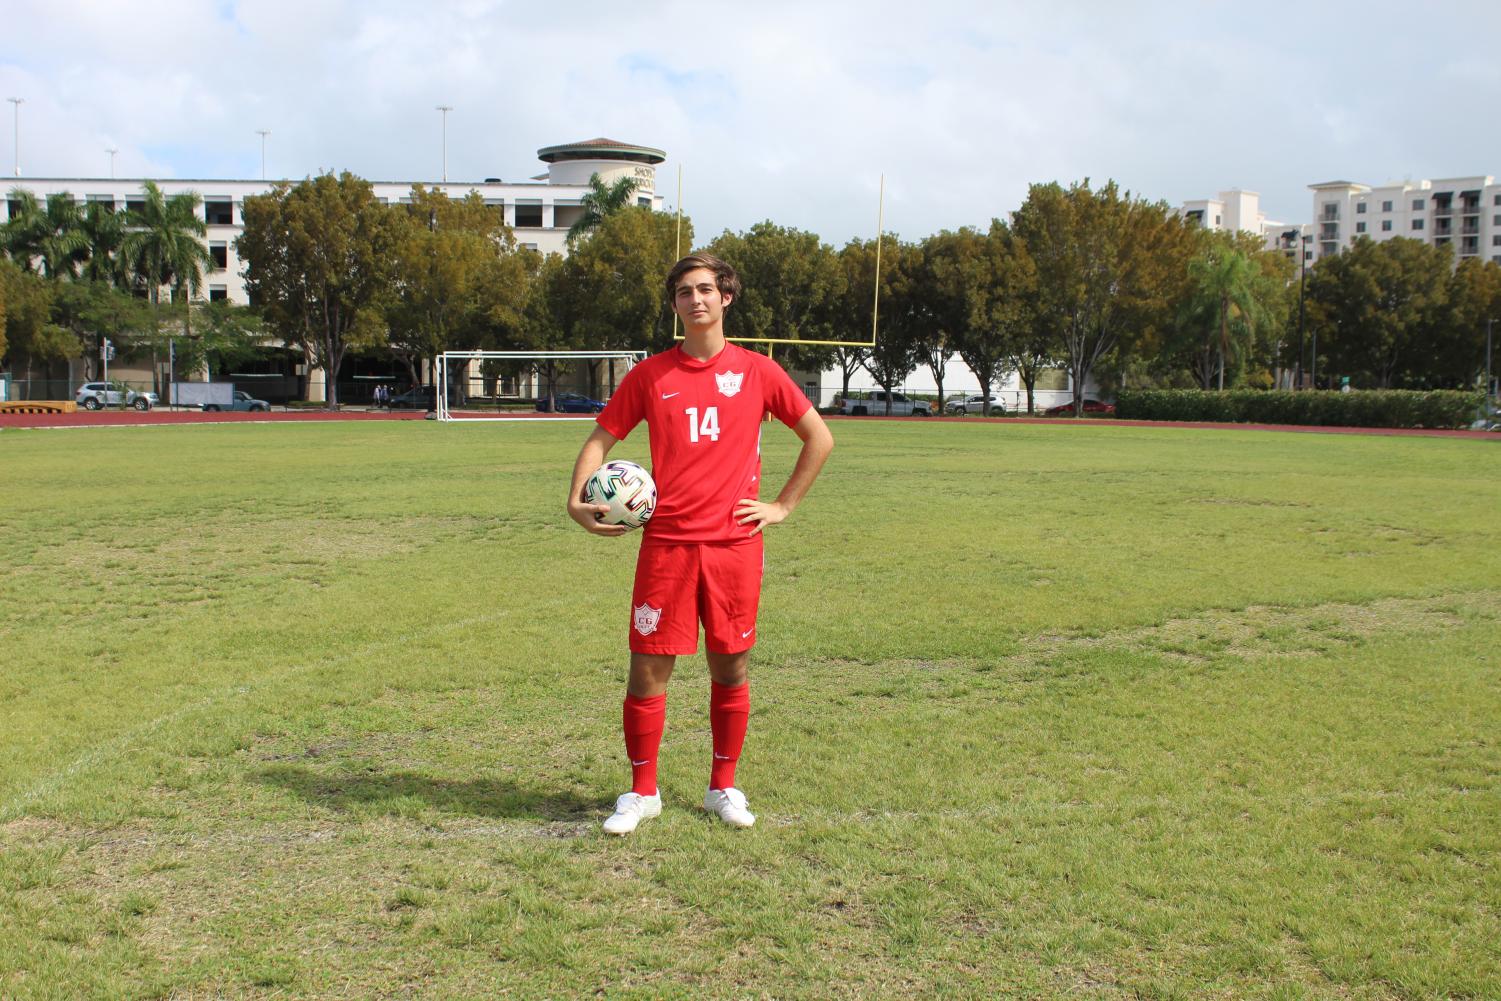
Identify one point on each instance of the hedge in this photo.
(1375, 408)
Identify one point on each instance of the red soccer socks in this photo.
(729, 710)
(644, 721)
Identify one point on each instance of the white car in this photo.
(975, 405)
(93, 395)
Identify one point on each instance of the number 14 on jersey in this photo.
(707, 428)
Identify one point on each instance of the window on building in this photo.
(1386, 206)
(1307, 255)
(530, 246)
(135, 204)
(644, 201)
(217, 293)
(1360, 208)
(1386, 225)
(1496, 220)
(219, 252)
(1217, 221)
(1360, 227)
(528, 214)
(1417, 204)
(218, 213)
(1417, 224)
(1498, 200)
(1496, 240)
(12, 206)
(105, 202)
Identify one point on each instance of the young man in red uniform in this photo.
(701, 553)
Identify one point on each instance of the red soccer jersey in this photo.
(704, 421)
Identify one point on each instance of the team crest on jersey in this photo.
(646, 618)
(729, 382)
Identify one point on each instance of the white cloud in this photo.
(781, 110)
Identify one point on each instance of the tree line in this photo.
(1107, 285)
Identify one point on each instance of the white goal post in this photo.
(452, 366)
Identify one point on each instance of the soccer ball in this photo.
(627, 488)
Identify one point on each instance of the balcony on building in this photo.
(1469, 246)
(1329, 231)
(1469, 202)
(1443, 205)
(1331, 211)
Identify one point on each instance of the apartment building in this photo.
(1462, 213)
(1240, 211)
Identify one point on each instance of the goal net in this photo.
(490, 385)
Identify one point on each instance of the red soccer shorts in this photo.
(677, 586)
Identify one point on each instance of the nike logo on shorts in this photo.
(747, 632)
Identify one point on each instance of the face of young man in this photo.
(698, 301)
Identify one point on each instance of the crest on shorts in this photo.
(729, 382)
(646, 618)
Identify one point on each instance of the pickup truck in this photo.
(874, 405)
(94, 395)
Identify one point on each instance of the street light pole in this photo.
(445, 108)
(18, 101)
(263, 133)
(111, 150)
(1489, 386)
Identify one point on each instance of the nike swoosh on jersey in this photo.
(668, 396)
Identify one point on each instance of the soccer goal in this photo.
(462, 378)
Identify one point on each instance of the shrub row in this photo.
(1377, 408)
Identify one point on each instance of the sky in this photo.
(791, 112)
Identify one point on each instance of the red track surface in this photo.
(131, 418)
(1109, 422)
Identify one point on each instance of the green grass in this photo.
(332, 711)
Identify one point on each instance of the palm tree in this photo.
(52, 234)
(163, 245)
(1226, 286)
(602, 201)
(105, 231)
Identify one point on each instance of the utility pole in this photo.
(1489, 385)
(263, 133)
(1302, 280)
(111, 150)
(18, 101)
(445, 108)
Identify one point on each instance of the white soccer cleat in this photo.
(729, 804)
(630, 809)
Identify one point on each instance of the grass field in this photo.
(333, 711)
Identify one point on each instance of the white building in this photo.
(540, 209)
(1240, 211)
(1463, 213)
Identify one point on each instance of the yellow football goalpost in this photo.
(772, 342)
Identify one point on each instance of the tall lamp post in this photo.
(1490, 387)
(112, 150)
(445, 109)
(17, 101)
(263, 133)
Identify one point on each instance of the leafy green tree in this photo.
(600, 202)
(51, 234)
(449, 291)
(29, 334)
(790, 282)
(1380, 307)
(851, 311)
(1108, 268)
(1475, 299)
(320, 258)
(902, 319)
(93, 310)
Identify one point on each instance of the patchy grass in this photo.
(1038, 711)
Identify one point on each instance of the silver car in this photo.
(975, 405)
(93, 395)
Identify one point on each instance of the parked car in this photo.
(975, 405)
(1090, 407)
(874, 404)
(242, 401)
(421, 398)
(570, 403)
(93, 395)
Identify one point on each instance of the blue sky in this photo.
(787, 111)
